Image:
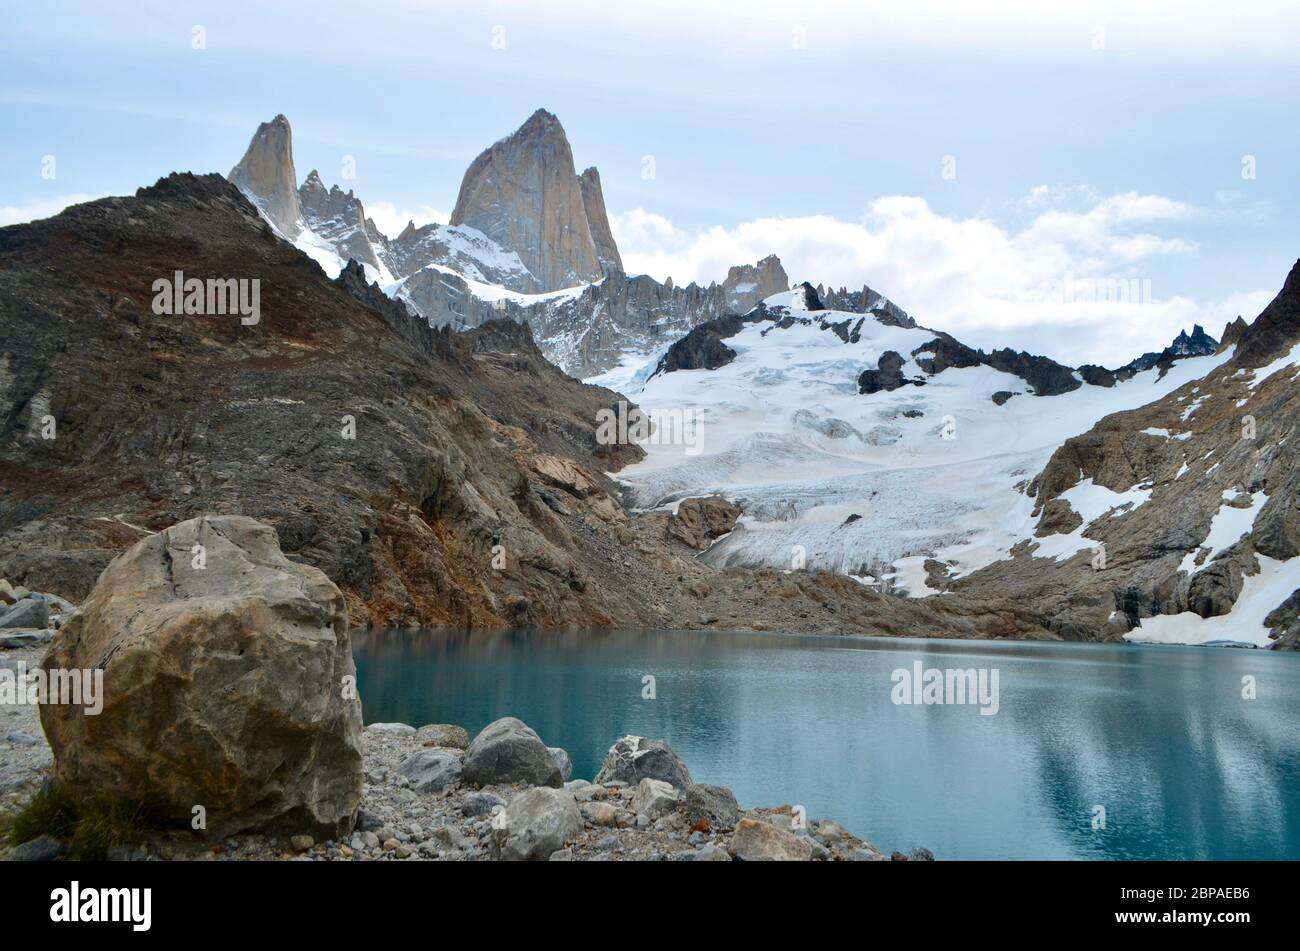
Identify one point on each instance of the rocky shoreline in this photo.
(427, 793)
(416, 806)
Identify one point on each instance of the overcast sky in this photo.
(992, 172)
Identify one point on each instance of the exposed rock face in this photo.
(699, 521)
(225, 670)
(702, 348)
(463, 441)
(888, 375)
(632, 759)
(1196, 455)
(586, 331)
(867, 301)
(524, 194)
(340, 218)
(747, 284)
(593, 200)
(509, 751)
(267, 176)
(1232, 332)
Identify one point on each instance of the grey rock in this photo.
(57, 604)
(431, 770)
(653, 798)
(266, 175)
(536, 823)
(715, 804)
(509, 751)
(43, 848)
(921, 854)
(711, 853)
(391, 729)
(22, 738)
(480, 804)
(26, 613)
(633, 758)
(562, 761)
(17, 640)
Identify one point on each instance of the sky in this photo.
(1076, 179)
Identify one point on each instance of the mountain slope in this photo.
(938, 467)
(401, 459)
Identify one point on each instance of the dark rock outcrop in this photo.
(702, 348)
(887, 376)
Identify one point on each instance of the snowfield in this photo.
(932, 471)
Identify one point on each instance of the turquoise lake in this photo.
(1163, 739)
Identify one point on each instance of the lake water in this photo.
(1161, 738)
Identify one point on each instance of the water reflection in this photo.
(1160, 737)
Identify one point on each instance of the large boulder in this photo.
(633, 758)
(700, 520)
(509, 751)
(536, 823)
(755, 841)
(228, 684)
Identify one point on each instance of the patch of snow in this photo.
(1261, 593)
(1228, 527)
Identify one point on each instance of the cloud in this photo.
(1074, 281)
(40, 208)
(391, 220)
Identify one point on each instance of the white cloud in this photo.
(40, 208)
(391, 220)
(1074, 282)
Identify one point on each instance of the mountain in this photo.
(266, 174)
(937, 469)
(438, 477)
(529, 240)
(524, 194)
(1194, 498)
(593, 201)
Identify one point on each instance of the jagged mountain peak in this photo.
(266, 174)
(524, 193)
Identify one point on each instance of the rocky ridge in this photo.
(403, 461)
